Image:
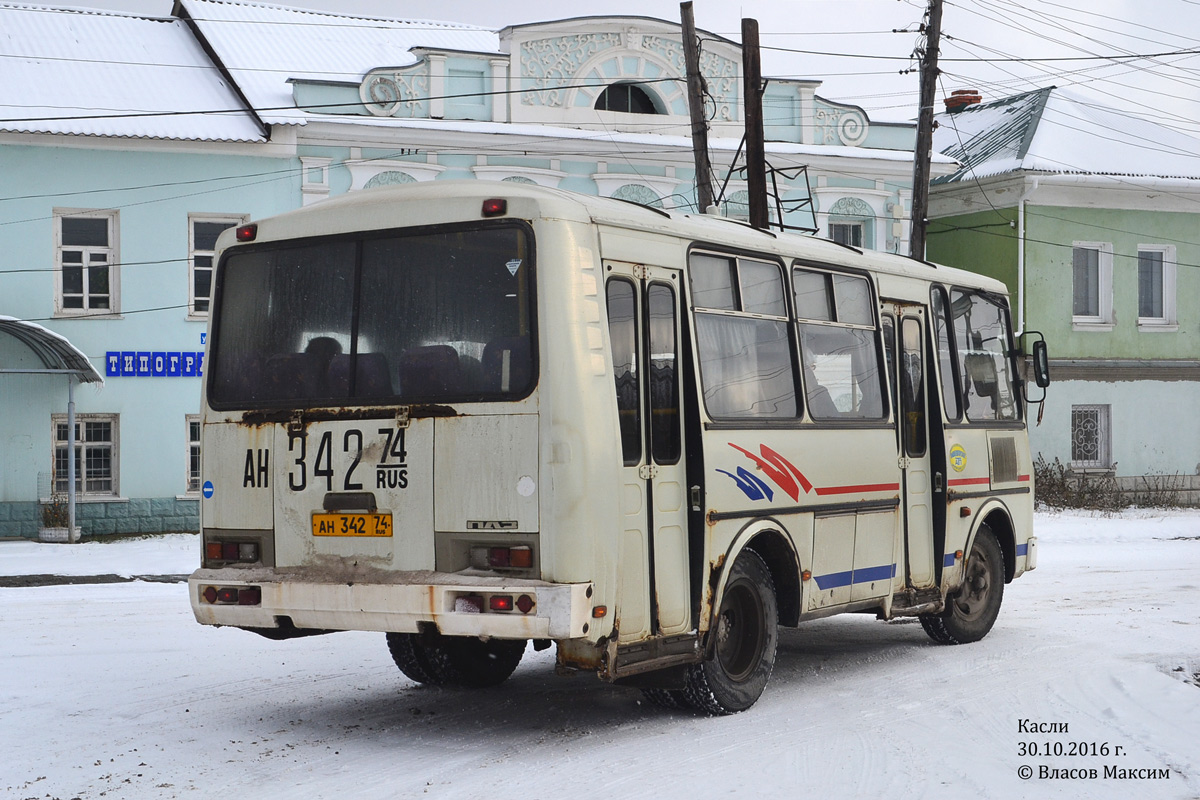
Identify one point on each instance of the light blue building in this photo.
(127, 143)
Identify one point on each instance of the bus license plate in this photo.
(352, 524)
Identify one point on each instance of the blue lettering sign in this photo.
(189, 365)
(128, 363)
(112, 364)
(143, 365)
(174, 365)
(158, 364)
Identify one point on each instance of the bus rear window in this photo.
(428, 317)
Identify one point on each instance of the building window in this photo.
(1091, 437)
(193, 454)
(627, 98)
(96, 463)
(1091, 282)
(203, 231)
(850, 233)
(86, 262)
(1156, 286)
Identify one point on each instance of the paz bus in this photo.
(475, 416)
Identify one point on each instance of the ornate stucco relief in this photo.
(551, 65)
(838, 125)
(397, 92)
(721, 74)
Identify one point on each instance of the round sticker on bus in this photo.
(958, 458)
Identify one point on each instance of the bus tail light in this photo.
(247, 233)
(232, 595)
(495, 207)
(216, 550)
(518, 557)
(500, 602)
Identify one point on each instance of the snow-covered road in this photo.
(113, 690)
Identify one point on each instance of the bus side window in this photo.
(838, 349)
(981, 335)
(742, 337)
(945, 349)
(622, 332)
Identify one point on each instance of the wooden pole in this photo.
(924, 151)
(756, 158)
(695, 90)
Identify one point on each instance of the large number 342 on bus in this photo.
(476, 416)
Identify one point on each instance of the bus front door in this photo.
(913, 377)
(644, 328)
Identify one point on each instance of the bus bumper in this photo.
(457, 605)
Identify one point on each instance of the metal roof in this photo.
(1054, 131)
(55, 352)
(97, 73)
(264, 45)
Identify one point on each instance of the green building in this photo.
(1092, 218)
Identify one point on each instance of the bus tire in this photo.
(746, 632)
(411, 656)
(666, 698)
(970, 613)
(474, 663)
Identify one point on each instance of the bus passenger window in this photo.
(742, 341)
(842, 379)
(622, 332)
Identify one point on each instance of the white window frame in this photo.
(233, 220)
(1104, 320)
(192, 480)
(850, 222)
(114, 445)
(112, 258)
(1169, 321)
(1103, 460)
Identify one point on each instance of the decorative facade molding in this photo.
(834, 124)
(392, 92)
(722, 74)
(550, 65)
(851, 207)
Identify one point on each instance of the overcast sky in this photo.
(989, 34)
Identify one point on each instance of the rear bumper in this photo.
(560, 610)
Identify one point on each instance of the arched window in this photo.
(626, 97)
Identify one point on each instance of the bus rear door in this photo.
(644, 328)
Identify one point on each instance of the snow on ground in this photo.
(114, 691)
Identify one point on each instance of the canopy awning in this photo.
(57, 354)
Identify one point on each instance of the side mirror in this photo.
(1041, 364)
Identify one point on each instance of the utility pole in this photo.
(756, 157)
(695, 89)
(924, 151)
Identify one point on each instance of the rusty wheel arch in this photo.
(774, 547)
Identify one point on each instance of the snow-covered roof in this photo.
(1054, 131)
(93, 73)
(264, 45)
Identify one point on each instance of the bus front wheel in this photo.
(970, 613)
(455, 660)
(746, 634)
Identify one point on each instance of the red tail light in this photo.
(500, 602)
(247, 233)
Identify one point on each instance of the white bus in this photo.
(475, 415)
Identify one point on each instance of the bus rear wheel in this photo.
(455, 660)
(746, 635)
(970, 613)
